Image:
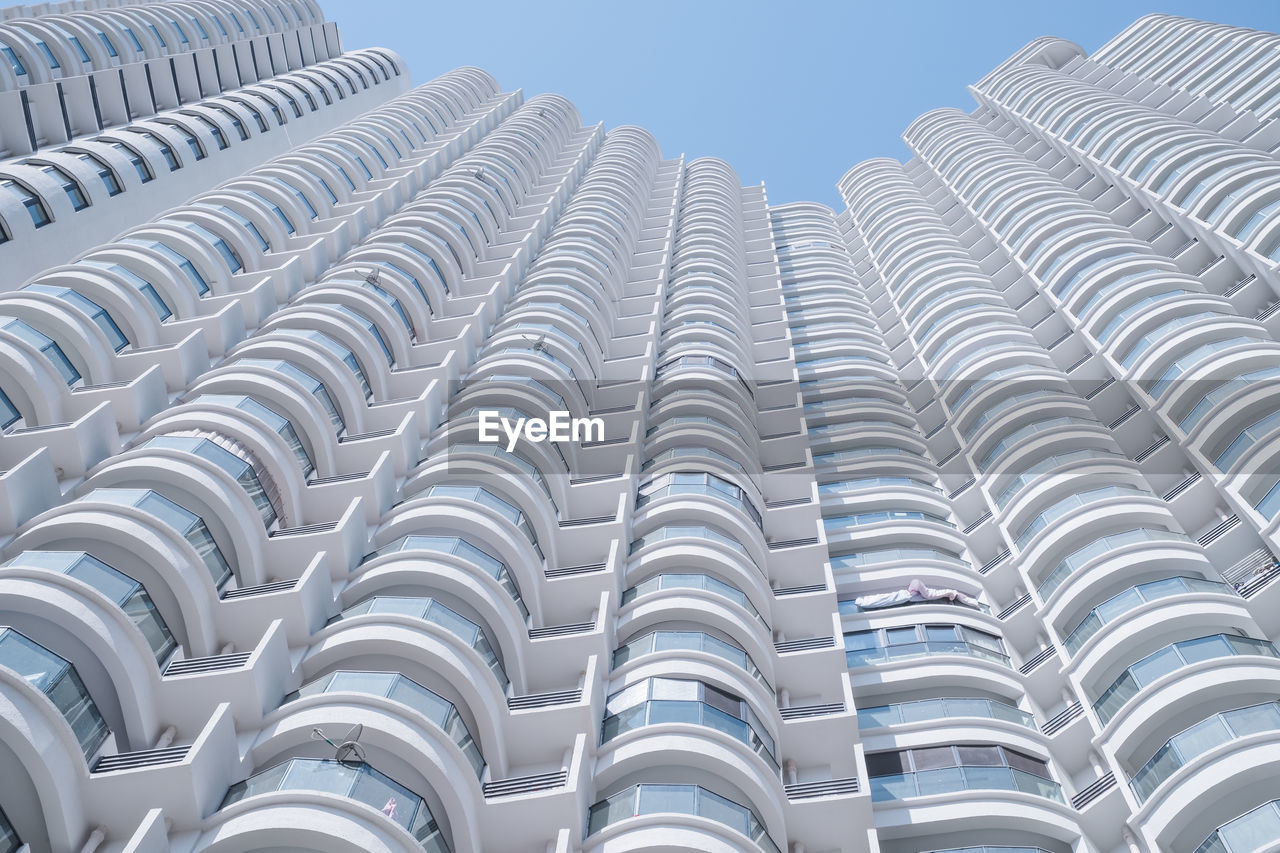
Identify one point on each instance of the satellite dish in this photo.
(349, 752)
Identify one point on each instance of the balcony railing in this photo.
(1254, 830)
(1205, 735)
(935, 709)
(1170, 659)
(650, 799)
(904, 651)
(661, 711)
(355, 781)
(1118, 605)
(950, 780)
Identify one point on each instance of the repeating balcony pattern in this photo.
(941, 523)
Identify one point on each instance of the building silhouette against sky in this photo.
(943, 522)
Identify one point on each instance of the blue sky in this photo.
(790, 93)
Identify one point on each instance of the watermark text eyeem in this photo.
(557, 428)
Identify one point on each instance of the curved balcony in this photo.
(660, 701)
(691, 452)
(693, 800)
(57, 679)
(236, 466)
(430, 610)
(698, 483)
(876, 556)
(121, 589)
(841, 486)
(459, 547)
(702, 582)
(710, 534)
(940, 709)
(1252, 831)
(402, 689)
(840, 523)
(1134, 597)
(1103, 546)
(1208, 734)
(690, 641)
(1170, 659)
(1067, 505)
(189, 525)
(928, 771)
(353, 780)
(1058, 461)
(489, 500)
(863, 648)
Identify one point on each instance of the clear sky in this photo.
(791, 93)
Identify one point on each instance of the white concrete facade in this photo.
(941, 523)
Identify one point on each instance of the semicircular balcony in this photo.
(1256, 829)
(1171, 673)
(936, 771)
(678, 817)
(386, 619)
(664, 644)
(1057, 578)
(391, 690)
(700, 588)
(695, 484)
(453, 551)
(1134, 600)
(969, 713)
(372, 797)
(697, 541)
(904, 654)
(666, 454)
(1217, 758)
(53, 677)
(884, 565)
(130, 596)
(658, 705)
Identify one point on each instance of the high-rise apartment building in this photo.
(942, 523)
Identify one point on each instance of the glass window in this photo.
(48, 55)
(105, 173)
(96, 312)
(9, 840)
(313, 385)
(277, 422)
(19, 69)
(57, 679)
(248, 226)
(279, 214)
(9, 414)
(241, 469)
(166, 150)
(115, 585)
(188, 269)
(45, 344)
(32, 202)
(69, 186)
(106, 42)
(301, 197)
(137, 44)
(161, 308)
(139, 164)
(191, 526)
